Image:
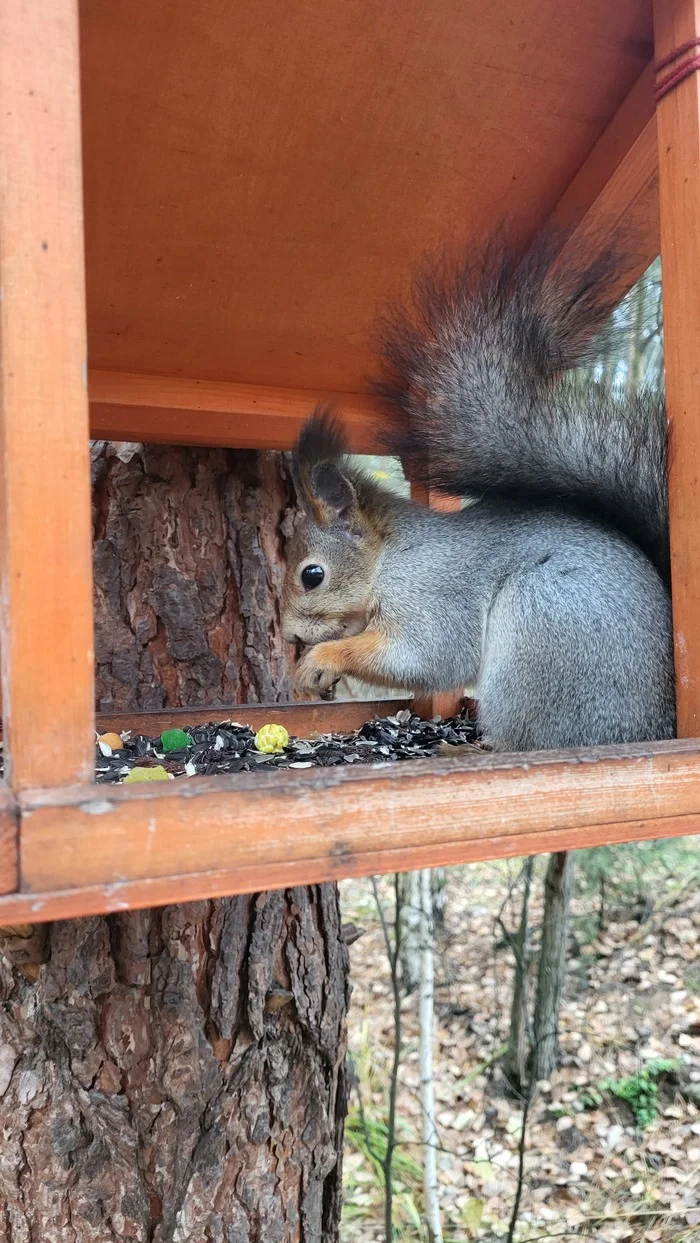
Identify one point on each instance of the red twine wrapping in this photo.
(681, 72)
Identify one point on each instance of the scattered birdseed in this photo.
(229, 747)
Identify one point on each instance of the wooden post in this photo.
(45, 548)
(442, 703)
(677, 22)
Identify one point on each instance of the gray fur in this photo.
(547, 597)
(481, 398)
(561, 628)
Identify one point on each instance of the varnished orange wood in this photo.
(301, 719)
(612, 201)
(247, 208)
(204, 412)
(259, 177)
(45, 550)
(441, 703)
(9, 841)
(120, 846)
(679, 184)
(162, 891)
(435, 500)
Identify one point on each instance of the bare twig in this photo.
(393, 951)
(520, 1034)
(427, 987)
(512, 1225)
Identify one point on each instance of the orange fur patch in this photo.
(357, 657)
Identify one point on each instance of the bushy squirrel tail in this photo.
(479, 378)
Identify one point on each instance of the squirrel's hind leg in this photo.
(578, 655)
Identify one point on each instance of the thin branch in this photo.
(521, 1170)
(393, 956)
(427, 973)
(382, 920)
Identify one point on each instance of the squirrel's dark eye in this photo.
(312, 576)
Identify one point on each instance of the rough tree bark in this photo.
(552, 963)
(188, 570)
(178, 1075)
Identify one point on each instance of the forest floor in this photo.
(632, 998)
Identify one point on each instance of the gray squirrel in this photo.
(548, 595)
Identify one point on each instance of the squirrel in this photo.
(548, 593)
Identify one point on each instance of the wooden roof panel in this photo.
(259, 176)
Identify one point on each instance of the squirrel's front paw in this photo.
(317, 671)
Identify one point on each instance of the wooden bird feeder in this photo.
(201, 205)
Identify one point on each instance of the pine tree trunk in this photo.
(552, 965)
(188, 567)
(178, 1075)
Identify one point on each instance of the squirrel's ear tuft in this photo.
(320, 471)
(321, 438)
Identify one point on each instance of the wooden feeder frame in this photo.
(69, 847)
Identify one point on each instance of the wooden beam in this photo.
(109, 848)
(162, 410)
(250, 233)
(612, 202)
(301, 719)
(435, 500)
(441, 703)
(676, 22)
(9, 841)
(613, 198)
(45, 536)
(102, 899)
